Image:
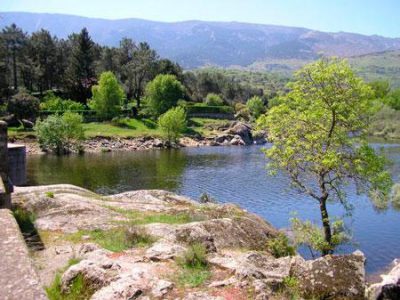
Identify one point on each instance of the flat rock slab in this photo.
(18, 279)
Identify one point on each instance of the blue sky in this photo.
(363, 16)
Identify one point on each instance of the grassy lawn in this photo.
(131, 128)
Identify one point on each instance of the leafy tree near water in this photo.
(163, 93)
(319, 132)
(173, 123)
(108, 96)
(255, 106)
(61, 133)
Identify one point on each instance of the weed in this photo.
(279, 246)
(49, 194)
(195, 257)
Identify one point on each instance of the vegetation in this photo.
(173, 124)
(117, 239)
(214, 100)
(54, 103)
(23, 106)
(60, 133)
(256, 107)
(107, 96)
(280, 247)
(49, 194)
(78, 290)
(163, 93)
(195, 269)
(319, 133)
(312, 236)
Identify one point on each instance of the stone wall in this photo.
(18, 278)
(5, 185)
(17, 164)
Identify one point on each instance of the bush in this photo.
(163, 93)
(280, 247)
(256, 107)
(194, 257)
(23, 106)
(108, 96)
(60, 133)
(57, 104)
(204, 109)
(173, 123)
(214, 100)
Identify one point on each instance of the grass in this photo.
(194, 266)
(25, 220)
(141, 218)
(78, 290)
(117, 239)
(128, 128)
(49, 194)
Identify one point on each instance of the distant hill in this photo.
(196, 44)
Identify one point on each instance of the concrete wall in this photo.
(6, 186)
(17, 164)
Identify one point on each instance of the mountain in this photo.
(226, 44)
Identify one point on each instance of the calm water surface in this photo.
(229, 174)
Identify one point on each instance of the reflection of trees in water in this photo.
(111, 172)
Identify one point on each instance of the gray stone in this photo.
(389, 287)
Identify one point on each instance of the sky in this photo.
(380, 17)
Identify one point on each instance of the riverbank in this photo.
(231, 133)
(142, 242)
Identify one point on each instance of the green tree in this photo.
(81, 72)
(23, 106)
(44, 58)
(61, 134)
(393, 99)
(108, 96)
(163, 93)
(173, 123)
(319, 132)
(15, 40)
(214, 100)
(256, 106)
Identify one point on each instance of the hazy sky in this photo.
(363, 16)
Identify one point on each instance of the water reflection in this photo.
(229, 174)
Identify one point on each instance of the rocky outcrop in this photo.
(389, 287)
(240, 267)
(241, 131)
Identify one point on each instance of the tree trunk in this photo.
(326, 224)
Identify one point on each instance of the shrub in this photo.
(60, 134)
(23, 106)
(57, 104)
(280, 247)
(173, 123)
(214, 100)
(163, 93)
(108, 96)
(194, 257)
(256, 107)
(205, 109)
(206, 198)
(312, 236)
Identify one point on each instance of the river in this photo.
(228, 174)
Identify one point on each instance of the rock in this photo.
(201, 296)
(11, 121)
(27, 124)
(161, 287)
(332, 276)
(389, 287)
(222, 283)
(237, 141)
(93, 274)
(126, 287)
(163, 251)
(248, 231)
(243, 130)
(223, 138)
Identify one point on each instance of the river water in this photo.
(228, 174)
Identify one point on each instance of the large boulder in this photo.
(389, 287)
(332, 277)
(243, 130)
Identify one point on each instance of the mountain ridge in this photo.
(195, 43)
